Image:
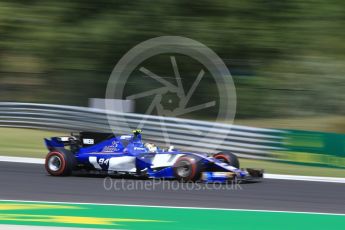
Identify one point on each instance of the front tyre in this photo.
(188, 168)
(59, 164)
(228, 157)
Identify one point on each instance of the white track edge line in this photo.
(29, 160)
(176, 207)
(305, 178)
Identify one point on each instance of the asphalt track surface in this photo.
(31, 182)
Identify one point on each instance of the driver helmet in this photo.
(151, 147)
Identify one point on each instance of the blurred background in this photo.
(287, 57)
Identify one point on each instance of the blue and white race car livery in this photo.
(129, 155)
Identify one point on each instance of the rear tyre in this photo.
(228, 157)
(188, 168)
(59, 164)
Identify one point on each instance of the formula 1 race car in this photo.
(128, 155)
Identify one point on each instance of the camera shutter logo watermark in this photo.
(171, 99)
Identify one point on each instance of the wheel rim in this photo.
(184, 169)
(54, 163)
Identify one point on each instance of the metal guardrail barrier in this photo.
(187, 134)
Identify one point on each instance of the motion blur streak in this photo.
(287, 62)
(286, 57)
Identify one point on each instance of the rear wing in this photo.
(82, 139)
(58, 142)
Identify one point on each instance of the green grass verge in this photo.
(29, 143)
(24, 142)
(292, 169)
(334, 124)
